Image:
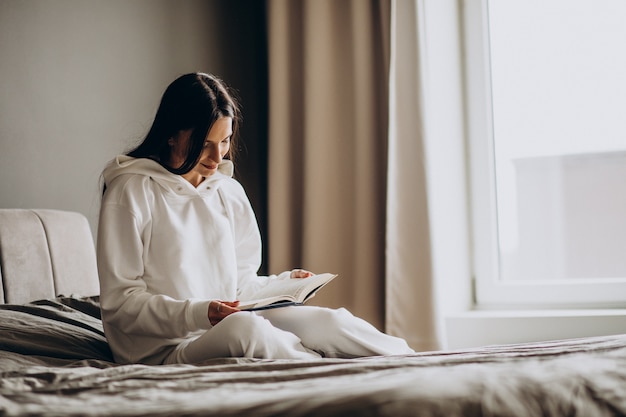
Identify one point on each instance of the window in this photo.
(546, 105)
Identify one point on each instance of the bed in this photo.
(54, 359)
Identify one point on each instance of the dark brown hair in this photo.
(193, 101)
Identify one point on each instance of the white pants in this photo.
(297, 332)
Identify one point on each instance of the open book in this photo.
(280, 293)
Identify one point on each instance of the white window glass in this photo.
(546, 122)
(558, 91)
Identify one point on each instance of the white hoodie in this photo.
(165, 250)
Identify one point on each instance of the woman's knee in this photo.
(250, 335)
(239, 332)
(335, 318)
(243, 324)
(325, 326)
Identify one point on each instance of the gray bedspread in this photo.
(583, 377)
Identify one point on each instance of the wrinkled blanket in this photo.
(581, 377)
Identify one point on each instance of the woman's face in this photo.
(216, 146)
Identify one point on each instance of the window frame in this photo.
(489, 290)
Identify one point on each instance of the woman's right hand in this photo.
(219, 309)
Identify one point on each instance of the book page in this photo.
(293, 289)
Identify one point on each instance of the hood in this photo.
(123, 164)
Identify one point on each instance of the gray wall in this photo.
(80, 81)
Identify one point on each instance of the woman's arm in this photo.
(247, 238)
(126, 304)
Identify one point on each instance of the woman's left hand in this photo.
(301, 273)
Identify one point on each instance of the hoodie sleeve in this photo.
(125, 302)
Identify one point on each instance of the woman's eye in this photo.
(223, 142)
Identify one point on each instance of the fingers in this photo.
(218, 310)
(233, 304)
(301, 273)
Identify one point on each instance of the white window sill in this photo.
(481, 328)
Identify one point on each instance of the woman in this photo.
(178, 245)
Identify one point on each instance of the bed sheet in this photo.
(581, 377)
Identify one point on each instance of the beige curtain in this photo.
(410, 291)
(328, 88)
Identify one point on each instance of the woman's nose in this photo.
(214, 154)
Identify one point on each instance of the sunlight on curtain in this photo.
(410, 309)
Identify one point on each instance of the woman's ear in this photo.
(171, 141)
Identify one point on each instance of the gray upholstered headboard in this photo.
(45, 253)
